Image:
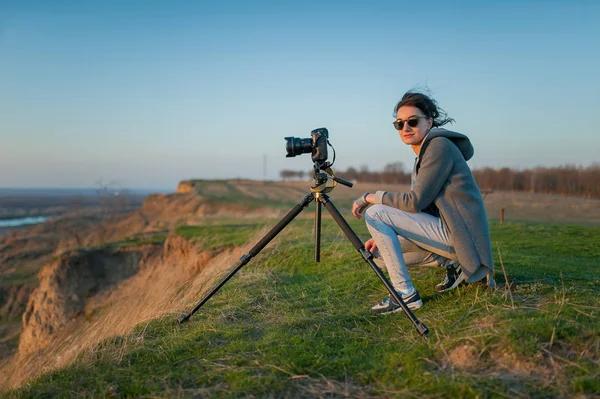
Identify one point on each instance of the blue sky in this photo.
(148, 93)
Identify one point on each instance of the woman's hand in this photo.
(370, 245)
(359, 206)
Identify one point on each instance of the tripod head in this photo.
(322, 172)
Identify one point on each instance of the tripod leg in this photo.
(253, 252)
(318, 230)
(420, 326)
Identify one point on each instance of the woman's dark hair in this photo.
(426, 104)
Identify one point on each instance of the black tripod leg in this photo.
(318, 231)
(253, 252)
(421, 327)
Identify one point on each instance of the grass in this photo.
(23, 277)
(286, 326)
(155, 239)
(220, 235)
(230, 194)
(129, 242)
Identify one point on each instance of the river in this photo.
(16, 222)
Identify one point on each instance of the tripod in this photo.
(322, 172)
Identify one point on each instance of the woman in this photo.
(441, 220)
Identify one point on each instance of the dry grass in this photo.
(165, 289)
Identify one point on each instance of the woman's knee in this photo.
(374, 212)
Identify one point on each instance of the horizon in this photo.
(95, 189)
(148, 94)
(137, 189)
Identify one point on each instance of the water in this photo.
(22, 221)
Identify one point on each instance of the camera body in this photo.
(316, 145)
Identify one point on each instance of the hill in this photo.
(286, 326)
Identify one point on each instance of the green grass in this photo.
(286, 326)
(23, 277)
(156, 239)
(228, 193)
(219, 236)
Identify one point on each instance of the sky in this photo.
(144, 94)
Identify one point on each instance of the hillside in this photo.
(286, 326)
(103, 223)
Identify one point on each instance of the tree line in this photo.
(568, 180)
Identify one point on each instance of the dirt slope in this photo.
(87, 296)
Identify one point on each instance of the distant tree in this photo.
(351, 174)
(287, 174)
(396, 167)
(562, 180)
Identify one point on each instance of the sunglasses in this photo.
(413, 121)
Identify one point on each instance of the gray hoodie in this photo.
(442, 177)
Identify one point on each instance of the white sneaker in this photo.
(389, 304)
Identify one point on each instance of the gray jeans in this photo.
(408, 239)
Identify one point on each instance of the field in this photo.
(285, 326)
(518, 206)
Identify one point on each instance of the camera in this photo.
(315, 144)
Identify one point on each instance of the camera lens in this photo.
(297, 146)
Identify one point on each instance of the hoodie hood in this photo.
(460, 140)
